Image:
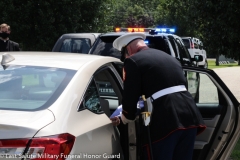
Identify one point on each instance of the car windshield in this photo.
(30, 87)
(103, 46)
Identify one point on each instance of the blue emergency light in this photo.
(146, 42)
(165, 30)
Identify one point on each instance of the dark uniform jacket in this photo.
(149, 71)
(8, 46)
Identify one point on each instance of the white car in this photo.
(195, 47)
(57, 106)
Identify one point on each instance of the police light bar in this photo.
(132, 29)
(146, 42)
(165, 30)
(117, 29)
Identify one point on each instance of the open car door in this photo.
(220, 111)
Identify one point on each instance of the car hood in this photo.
(23, 124)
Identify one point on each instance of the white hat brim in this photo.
(126, 39)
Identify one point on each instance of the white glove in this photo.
(125, 120)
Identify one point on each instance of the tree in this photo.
(134, 13)
(36, 25)
(215, 22)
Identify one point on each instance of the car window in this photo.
(186, 43)
(158, 42)
(175, 49)
(200, 45)
(103, 95)
(182, 50)
(91, 99)
(30, 87)
(108, 87)
(76, 45)
(202, 88)
(103, 46)
(196, 45)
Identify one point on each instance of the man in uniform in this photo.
(175, 120)
(5, 43)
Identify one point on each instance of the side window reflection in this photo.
(202, 88)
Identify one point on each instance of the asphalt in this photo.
(231, 77)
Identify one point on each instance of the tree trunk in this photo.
(217, 60)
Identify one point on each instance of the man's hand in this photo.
(115, 121)
(125, 120)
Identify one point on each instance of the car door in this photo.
(219, 109)
(101, 98)
(128, 132)
(75, 42)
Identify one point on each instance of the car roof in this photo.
(77, 34)
(193, 38)
(147, 34)
(186, 37)
(57, 59)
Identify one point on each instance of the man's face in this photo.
(4, 33)
(4, 29)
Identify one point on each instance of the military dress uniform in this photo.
(150, 71)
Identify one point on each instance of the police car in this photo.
(54, 109)
(195, 47)
(159, 38)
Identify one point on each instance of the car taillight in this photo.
(13, 146)
(42, 148)
(192, 45)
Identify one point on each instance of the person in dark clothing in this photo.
(175, 120)
(5, 43)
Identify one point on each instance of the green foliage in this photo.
(215, 22)
(36, 25)
(134, 13)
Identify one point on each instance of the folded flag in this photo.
(118, 111)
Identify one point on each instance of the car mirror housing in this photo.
(197, 58)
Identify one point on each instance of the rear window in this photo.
(103, 46)
(76, 45)
(30, 87)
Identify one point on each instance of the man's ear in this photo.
(123, 50)
(129, 50)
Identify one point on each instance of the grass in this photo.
(212, 64)
(236, 152)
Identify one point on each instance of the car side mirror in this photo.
(198, 58)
